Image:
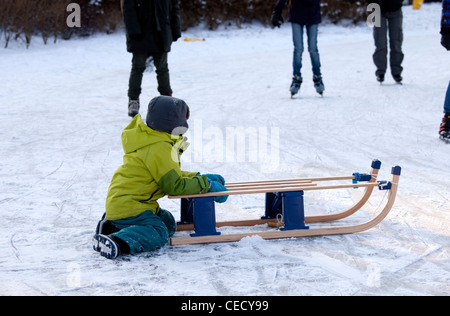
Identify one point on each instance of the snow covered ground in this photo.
(63, 108)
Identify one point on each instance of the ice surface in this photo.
(63, 108)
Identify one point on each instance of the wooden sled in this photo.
(284, 199)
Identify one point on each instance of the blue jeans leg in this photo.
(447, 100)
(297, 37)
(312, 31)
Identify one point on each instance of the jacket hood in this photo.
(168, 114)
(138, 135)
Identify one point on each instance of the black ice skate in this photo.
(133, 108)
(380, 78)
(296, 84)
(318, 84)
(106, 246)
(444, 130)
(398, 79)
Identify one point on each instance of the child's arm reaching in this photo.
(168, 175)
(173, 181)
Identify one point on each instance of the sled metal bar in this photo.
(304, 233)
(271, 189)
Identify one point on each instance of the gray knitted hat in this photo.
(168, 114)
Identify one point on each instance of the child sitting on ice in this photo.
(134, 222)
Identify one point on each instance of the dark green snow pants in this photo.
(147, 231)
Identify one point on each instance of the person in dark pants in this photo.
(151, 27)
(392, 23)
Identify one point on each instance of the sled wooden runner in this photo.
(284, 198)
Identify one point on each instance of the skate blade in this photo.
(445, 139)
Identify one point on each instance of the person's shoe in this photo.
(380, 78)
(133, 108)
(318, 84)
(444, 129)
(398, 79)
(106, 246)
(296, 84)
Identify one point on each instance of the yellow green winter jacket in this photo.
(150, 170)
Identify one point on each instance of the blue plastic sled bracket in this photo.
(201, 212)
(288, 204)
(293, 211)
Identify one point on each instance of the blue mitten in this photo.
(215, 186)
(216, 177)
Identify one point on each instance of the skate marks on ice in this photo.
(307, 267)
(55, 173)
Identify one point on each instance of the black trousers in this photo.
(391, 22)
(137, 73)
